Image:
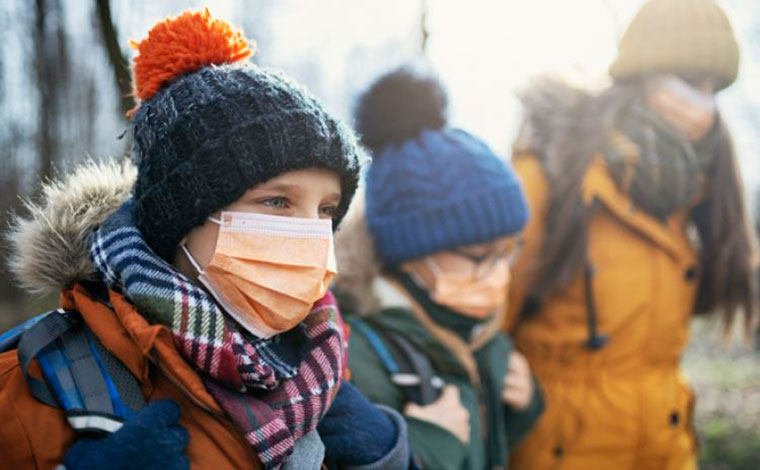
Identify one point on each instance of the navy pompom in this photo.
(398, 107)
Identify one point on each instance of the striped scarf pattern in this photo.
(272, 399)
(655, 163)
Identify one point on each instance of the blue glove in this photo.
(151, 440)
(354, 431)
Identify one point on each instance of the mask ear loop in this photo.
(433, 266)
(191, 258)
(437, 272)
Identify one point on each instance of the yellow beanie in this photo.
(679, 36)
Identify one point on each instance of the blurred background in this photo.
(65, 85)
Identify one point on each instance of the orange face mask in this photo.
(268, 271)
(475, 290)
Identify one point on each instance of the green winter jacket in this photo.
(495, 429)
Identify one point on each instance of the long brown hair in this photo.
(726, 250)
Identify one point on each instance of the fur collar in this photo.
(556, 112)
(358, 265)
(48, 250)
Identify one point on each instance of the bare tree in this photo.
(44, 50)
(116, 57)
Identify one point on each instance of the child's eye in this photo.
(328, 211)
(276, 202)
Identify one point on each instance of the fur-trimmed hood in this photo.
(359, 283)
(556, 113)
(358, 264)
(48, 250)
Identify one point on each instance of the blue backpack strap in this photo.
(374, 340)
(9, 340)
(94, 389)
(36, 338)
(412, 372)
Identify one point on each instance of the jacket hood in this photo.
(358, 263)
(556, 112)
(48, 241)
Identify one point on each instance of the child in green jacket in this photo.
(428, 255)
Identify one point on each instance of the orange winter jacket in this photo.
(626, 405)
(35, 436)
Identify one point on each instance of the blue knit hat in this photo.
(430, 187)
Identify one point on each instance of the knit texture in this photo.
(440, 190)
(274, 398)
(152, 440)
(679, 36)
(209, 136)
(656, 165)
(355, 431)
(181, 45)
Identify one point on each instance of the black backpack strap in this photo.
(407, 367)
(429, 385)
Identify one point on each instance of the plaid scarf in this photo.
(273, 394)
(655, 163)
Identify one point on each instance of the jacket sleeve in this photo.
(436, 448)
(370, 376)
(33, 436)
(536, 187)
(519, 423)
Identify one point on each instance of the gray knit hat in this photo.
(209, 135)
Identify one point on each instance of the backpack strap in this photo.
(428, 384)
(36, 338)
(95, 390)
(9, 340)
(407, 366)
(85, 371)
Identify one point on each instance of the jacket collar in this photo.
(599, 187)
(137, 344)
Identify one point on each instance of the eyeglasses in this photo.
(486, 261)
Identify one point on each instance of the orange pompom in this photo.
(184, 44)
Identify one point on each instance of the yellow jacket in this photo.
(624, 405)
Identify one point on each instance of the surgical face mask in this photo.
(475, 288)
(267, 271)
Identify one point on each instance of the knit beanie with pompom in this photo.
(430, 187)
(209, 125)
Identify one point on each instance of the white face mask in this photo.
(268, 271)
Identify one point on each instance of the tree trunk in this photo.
(45, 72)
(117, 59)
